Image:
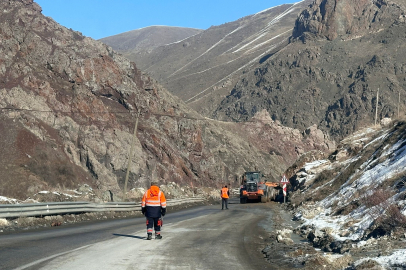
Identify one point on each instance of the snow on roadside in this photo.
(371, 176)
(361, 135)
(396, 259)
(7, 200)
(60, 194)
(389, 164)
(3, 222)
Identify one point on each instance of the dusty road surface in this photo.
(200, 238)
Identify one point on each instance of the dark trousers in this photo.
(224, 202)
(154, 223)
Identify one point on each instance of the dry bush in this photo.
(296, 198)
(368, 264)
(345, 210)
(321, 194)
(387, 215)
(394, 217)
(323, 177)
(3, 222)
(392, 221)
(377, 202)
(378, 197)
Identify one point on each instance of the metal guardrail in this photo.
(58, 208)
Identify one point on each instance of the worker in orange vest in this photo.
(225, 194)
(154, 207)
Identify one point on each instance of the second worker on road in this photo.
(225, 194)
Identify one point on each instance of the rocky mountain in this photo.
(201, 69)
(340, 54)
(69, 105)
(148, 38)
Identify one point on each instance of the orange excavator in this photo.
(253, 188)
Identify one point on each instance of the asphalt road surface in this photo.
(198, 238)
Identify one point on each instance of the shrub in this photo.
(394, 217)
(345, 210)
(378, 197)
(377, 202)
(387, 215)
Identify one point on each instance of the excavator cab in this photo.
(252, 182)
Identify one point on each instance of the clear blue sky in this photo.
(103, 18)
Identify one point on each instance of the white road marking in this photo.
(49, 258)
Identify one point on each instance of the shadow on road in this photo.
(132, 236)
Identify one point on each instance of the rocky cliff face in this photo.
(340, 54)
(348, 19)
(68, 109)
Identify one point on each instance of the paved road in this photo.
(199, 238)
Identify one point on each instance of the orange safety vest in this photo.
(154, 197)
(224, 193)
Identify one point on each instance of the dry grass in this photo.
(394, 217)
(377, 198)
(348, 208)
(377, 202)
(386, 214)
(320, 180)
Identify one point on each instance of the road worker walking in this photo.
(153, 207)
(225, 194)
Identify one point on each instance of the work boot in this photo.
(158, 236)
(149, 236)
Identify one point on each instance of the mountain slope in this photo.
(201, 68)
(68, 109)
(148, 38)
